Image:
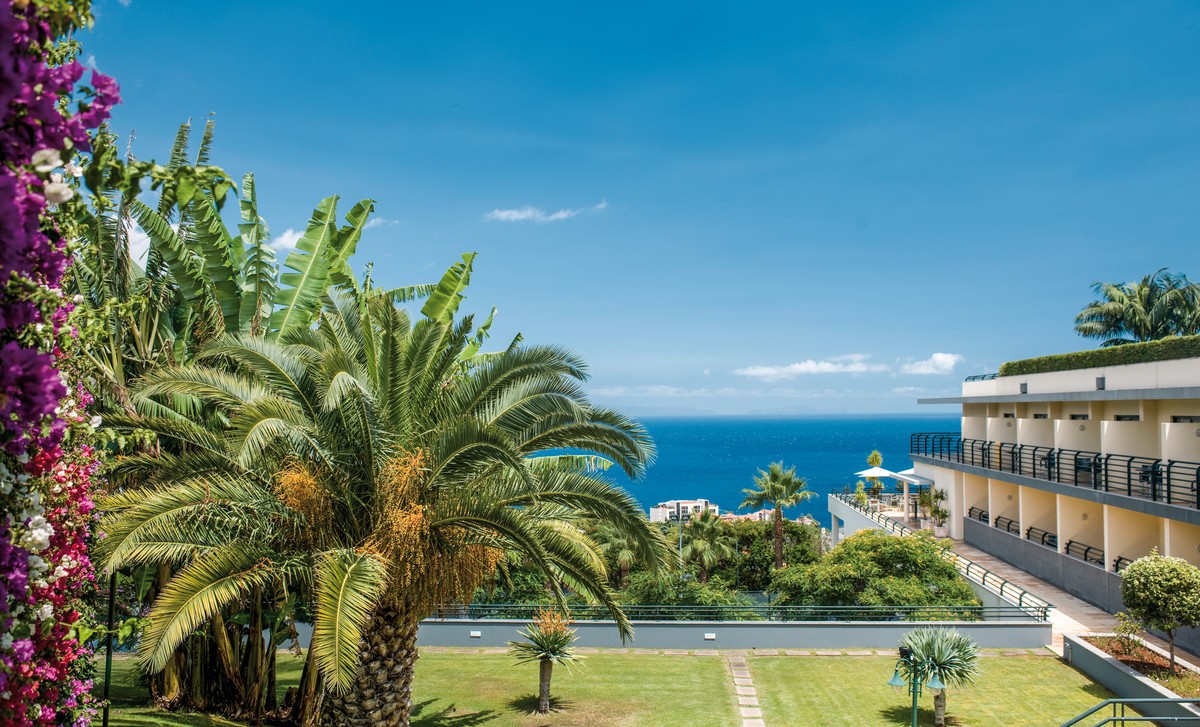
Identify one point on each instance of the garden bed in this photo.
(1085, 654)
(1151, 663)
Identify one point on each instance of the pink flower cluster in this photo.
(46, 467)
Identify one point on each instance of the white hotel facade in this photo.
(1071, 475)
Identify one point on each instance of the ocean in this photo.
(716, 458)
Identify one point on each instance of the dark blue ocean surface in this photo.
(716, 458)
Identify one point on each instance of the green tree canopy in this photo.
(872, 568)
(1163, 593)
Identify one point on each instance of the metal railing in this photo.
(1085, 552)
(982, 377)
(1120, 563)
(1119, 715)
(1007, 524)
(1031, 604)
(979, 514)
(758, 612)
(1045, 537)
(1174, 482)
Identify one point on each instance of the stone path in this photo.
(743, 686)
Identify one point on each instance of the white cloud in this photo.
(139, 245)
(938, 363)
(851, 363)
(380, 222)
(287, 241)
(90, 62)
(125, 3)
(534, 214)
(906, 390)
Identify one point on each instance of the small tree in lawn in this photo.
(549, 641)
(1163, 593)
(949, 654)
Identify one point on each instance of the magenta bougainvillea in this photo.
(47, 466)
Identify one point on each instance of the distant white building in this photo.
(765, 515)
(676, 510)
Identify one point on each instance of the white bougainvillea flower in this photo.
(46, 160)
(73, 169)
(58, 192)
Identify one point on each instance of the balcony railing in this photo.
(979, 514)
(1085, 552)
(982, 377)
(1045, 537)
(1173, 482)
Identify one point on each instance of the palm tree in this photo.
(946, 653)
(549, 641)
(618, 547)
(1159, 305)
(706, 543)
(780, 488)
(380, 467)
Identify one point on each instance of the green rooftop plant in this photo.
(1163, 593)
(1167, 349)
(549, 640)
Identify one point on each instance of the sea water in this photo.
(716, 458)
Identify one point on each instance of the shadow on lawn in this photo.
(425, 714)
(902, 715)
(529, 704)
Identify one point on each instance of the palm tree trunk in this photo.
(939, 709)
(778, 536)
(703, 572)
(306, 711)
(382, 693)
(545, 667)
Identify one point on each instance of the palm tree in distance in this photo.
(780, 488)
(618, 547)
(1161, 304)
(946, 653)
(706, 543)
(381, 468)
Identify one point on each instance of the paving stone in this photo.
(860, 652)
(1022, 652)
(737, 652)
(886, 652)
(494, 650)
(753, 723)
(741, 673)
(748, 701)
(676, 652)
(791, 652)
(645, 651)
(746, 691)
(766, 652)
(705, 652)
(828, 652)
(988, 653)
(743, 682)
(751, 712)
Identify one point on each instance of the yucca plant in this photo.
(946, 653)
(549, 640)
(381, 467)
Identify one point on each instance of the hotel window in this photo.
(1185, 420)
(1041, 416)
(1127, 418)
(1009, 415)
(1079, 417)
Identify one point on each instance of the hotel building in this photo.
(1071, 475)
(676, 510)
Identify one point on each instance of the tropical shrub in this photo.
(872, 568)
(1166, 349)
(1160, 305)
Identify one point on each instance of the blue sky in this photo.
(726, 208)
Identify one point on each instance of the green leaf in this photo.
(186, 266)
(347, 241)
(257, 276)
(221, 258)
(443, 302)
(348, 586)
(301, 291)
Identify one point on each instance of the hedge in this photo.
(1165, 349)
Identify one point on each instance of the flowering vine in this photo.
(47, 465)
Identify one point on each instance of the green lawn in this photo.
(456, 690)
(1037, 691)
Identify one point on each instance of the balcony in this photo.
(1173, 482)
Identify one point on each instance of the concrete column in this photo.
(835, 530)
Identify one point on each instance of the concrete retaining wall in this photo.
(1121, 680)
(737, 634)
